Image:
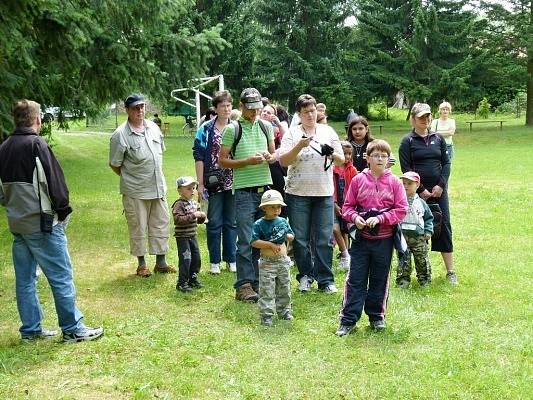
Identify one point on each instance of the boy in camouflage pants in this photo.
(269, 234)
(417, 228)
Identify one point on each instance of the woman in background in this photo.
(445, 126)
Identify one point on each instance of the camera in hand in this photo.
(326, 150)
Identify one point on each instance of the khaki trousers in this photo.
(147, 216)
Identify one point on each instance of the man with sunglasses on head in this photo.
(247, 147)
(136, 155)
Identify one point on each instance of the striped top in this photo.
(252, 141)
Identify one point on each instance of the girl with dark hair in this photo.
(358, 134)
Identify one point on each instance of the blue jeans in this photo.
(221, 217)
(247, 258)
(49, 250)
(450, 149)
(312, 214)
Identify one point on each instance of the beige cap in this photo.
(271, 198)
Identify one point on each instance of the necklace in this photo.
(358, 149)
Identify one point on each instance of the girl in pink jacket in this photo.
(375, 204)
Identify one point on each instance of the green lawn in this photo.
(469, 342)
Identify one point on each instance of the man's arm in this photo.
(116, 170)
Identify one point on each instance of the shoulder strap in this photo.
(236, 137)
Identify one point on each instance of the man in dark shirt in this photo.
(34, 192)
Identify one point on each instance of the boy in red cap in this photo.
(417, 228)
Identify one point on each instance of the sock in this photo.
(140, 260)
(160, 260)
(345, 253)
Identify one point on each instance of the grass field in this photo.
(473, 341)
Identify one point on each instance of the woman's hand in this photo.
(304, 142)
(436, 191)
(338, 211)
(425, 194)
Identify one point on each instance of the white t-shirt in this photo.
(446, 128)
(306, 175)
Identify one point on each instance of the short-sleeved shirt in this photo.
(271, 230)
(140, 158)
(306, 175)
(442, 127)
(252, 140)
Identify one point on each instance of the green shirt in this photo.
(252, 141)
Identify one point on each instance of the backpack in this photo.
(238, 134)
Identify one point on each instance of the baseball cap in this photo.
(420, 109)
(133, 100)
(411, 176)
(185, 181)
(271, 198)
(251, 98)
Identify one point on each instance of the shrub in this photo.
(483, 108)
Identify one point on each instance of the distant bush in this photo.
(515, 106)
(483, 108)
(378, 110)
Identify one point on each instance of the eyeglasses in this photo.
(379, 156)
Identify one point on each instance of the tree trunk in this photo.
(529, 101)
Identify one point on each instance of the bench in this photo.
(380, 128)
(482, 122)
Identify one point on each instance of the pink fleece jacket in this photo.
(369, 193)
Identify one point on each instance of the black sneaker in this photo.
(43, 334)
(424, 283)
(344, 330)
(378, 325)
(287, 316)
(195, 284)
(403, 284)
(451, 277)
(83, 334)
(266, 320)
(184, 287)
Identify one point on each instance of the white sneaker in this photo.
(232, 266)
(344, 263)
(215, 269)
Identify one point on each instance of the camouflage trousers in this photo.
(274, 285)
(418, 247)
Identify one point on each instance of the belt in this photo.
(255, 189)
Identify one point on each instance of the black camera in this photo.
(326, 150)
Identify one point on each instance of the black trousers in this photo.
(189, 259)
(367, 284)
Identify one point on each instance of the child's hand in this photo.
(359, 222)
(436, 191)
(427, 236)
(276, 248)
(290, 237)
(200, 214)
(372, 222)
(425, 194)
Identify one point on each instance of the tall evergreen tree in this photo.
(421, 47)
(82, 54)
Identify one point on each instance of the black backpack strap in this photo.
(236, 138)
